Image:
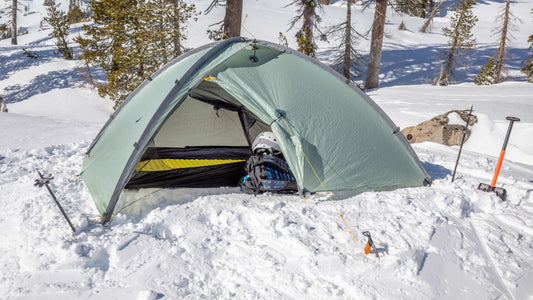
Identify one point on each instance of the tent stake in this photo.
(370, 244)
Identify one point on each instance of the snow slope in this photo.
(447, 241)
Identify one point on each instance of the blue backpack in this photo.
(268, 173)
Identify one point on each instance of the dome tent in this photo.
(191, 124)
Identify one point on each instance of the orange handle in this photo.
(367, 248)
(497, 171)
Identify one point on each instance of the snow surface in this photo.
(446, 241)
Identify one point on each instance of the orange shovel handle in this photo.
(502, 153)
(497, 171)
(367, 248)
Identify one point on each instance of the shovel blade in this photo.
(500, 192)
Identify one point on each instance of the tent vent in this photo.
(280, 113)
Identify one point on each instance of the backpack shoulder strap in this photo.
(276, 161)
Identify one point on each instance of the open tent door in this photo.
(204, 143)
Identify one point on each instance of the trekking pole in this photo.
(45, 181)
(501, 192)
(462, 141)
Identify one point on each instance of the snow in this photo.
(455, 119)
(446, 241)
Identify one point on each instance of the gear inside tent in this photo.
(204, 143)
(192, 124)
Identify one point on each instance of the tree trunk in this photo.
(499, 56)
(443, 79)
(14, 23)
(232, 19)
(176, 40)
(89, 74)
(372, 73)
(347, 41)
(307, 27)
(424, 27)
(71, 5)
(309, 11)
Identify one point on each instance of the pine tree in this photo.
(14, 23)
(230, 26)
(486, 74)
(181, 14)
(305, 42)
(402, 26)
(131, 39)
(415, 8)
(165, 21)
(59, 22)
(4, 31)
(504, 37)
(434, 11)
(71, 4)
(349, 60)
(305, 36)
(460, 38)
(528, 69)
(372, 73)
(283, 40)
(75, 15)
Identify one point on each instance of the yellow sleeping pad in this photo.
(167, 164)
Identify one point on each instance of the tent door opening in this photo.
(204, 143)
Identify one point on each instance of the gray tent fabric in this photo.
(206, 97)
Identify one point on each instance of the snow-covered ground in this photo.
(446, 241)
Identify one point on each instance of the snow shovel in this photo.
(501, 192)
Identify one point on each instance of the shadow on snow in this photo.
(17, 61)
(409, 66)
(436, 171)
(41, 84)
